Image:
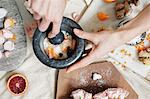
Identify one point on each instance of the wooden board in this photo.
(19, 53)
(82, 79)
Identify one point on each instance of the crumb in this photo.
(122, 51)
(114, 62)
(129, 54)
(125, 62)
(119, 63)
(112, 51)
(102, 28)
(96, 76)
(125, 52)
(123, 66)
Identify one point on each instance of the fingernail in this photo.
(76, 30)
(66, 69)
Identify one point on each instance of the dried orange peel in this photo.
(102, 16)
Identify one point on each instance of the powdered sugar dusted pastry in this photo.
(9, 23)
(112, 93)
(81, 94)
(101, 95)
(59, 51)
(9, 45)
(7, 53)
(7, 34)
(7, 38)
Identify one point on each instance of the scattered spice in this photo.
(123, 66)
(125, 62)
(112, 51)
(102, 28)
(125, 52)
(114, 62)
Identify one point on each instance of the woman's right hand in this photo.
(50, 11)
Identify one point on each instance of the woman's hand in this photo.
(103, 42)
(106, 41)
(50, 11)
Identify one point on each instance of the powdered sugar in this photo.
(83, 79)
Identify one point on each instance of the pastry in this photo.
(81, 94)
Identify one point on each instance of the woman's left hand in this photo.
(104, 42)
